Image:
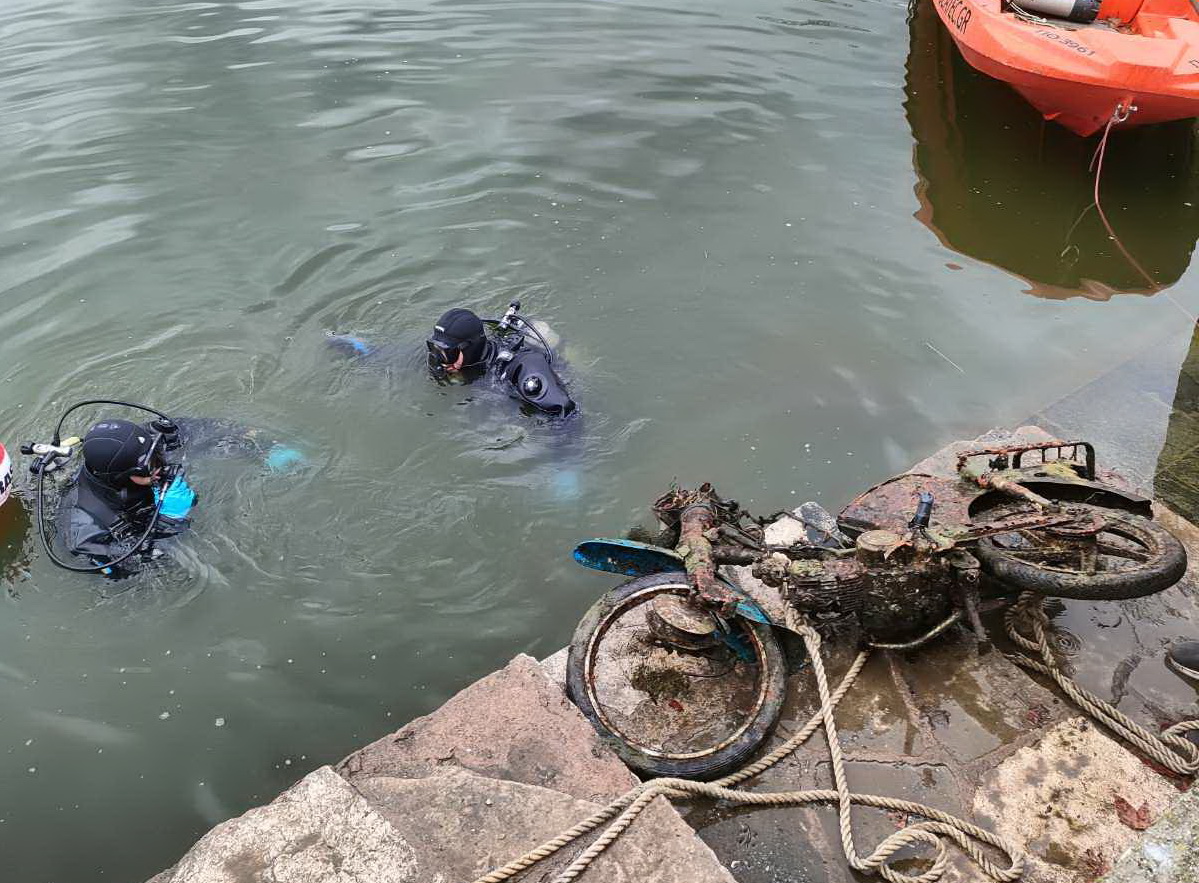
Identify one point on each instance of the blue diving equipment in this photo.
(177, 501)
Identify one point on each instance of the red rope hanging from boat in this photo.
(1119, 115)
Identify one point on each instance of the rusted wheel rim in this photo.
(1097, 541)
(665, 702)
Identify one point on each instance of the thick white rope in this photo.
(931, 832)
(1170, 748)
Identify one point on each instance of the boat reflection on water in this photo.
(998, 184)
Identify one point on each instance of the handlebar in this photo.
(924, 511)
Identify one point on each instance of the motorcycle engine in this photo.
(894, 586)
(821, 588)
(909, 586)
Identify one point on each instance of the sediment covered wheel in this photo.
(692, 708)
(1101, 555)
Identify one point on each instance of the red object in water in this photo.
(5, 475)
(1137, 53)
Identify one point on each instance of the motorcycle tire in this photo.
(730, 755)
(1164, 565)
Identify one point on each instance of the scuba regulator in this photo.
(529, 371)
(513, 321)
(53, 455)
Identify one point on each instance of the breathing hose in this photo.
(165, 427)
(512, 316)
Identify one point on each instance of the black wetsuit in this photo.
(521, 369)
(529, 376)
(100, 523)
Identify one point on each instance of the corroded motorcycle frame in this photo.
(904, 561)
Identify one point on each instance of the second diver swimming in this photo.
(511, 351)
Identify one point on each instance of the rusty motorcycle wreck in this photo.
(680, 668)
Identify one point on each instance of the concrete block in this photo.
(974, 703)
(1168, 852)
(514, 724)
(463, 825)
(318, 831)
(555, 667)
(885, 750)
(1058, 800)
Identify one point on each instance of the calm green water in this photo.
(715, 204)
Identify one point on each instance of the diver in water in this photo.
(512, 352)
(130, 492)
(125, 495)
(460, 347)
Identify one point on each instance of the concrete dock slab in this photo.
(515, 724)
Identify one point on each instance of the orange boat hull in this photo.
(1079, 76)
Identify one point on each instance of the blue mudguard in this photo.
(626, 557)
(630, 558)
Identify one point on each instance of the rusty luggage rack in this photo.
(1012, 456)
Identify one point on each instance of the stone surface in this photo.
(772, 844)
(515, 724)
(1127, 414)
(318, 831)
(1168, 852)
(463, 825)
(888, 752)
(449, 827)
(1057, 799)
(555, 667)
(975, 703)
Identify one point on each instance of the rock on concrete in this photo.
(887, 752)
(432, 803)
(1058, 800)
(1168, 852)
(515, 724)
(320, 829)
(463, 825)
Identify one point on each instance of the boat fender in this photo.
(1082, 11)
(5, 475)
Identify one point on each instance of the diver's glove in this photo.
(178, 499)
